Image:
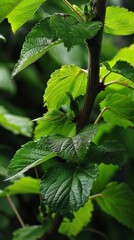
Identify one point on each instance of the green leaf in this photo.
(29, 233)
(68, 78)
(120, 109)
(119, 21)
(110, 152)
(73, 32)
(3, 171)
(39, 40)
(73, 149)
(5, 151)
(81, 219)
(124, 55)
(18, 11)
(66, 187)
(106, 172)
(54, 122)
(117, 200)
(30, 155)
(16, 124)
(24, 185)
(5, 80)
(123, 68)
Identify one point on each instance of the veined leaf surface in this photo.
(54, 122)
(119, 21)
(16, 124)
(30, 232)
(73, 149)
(39, 40)
(67, 79)
(18, 11)
(110, 152)
(126, 54)
(24, 185)
(30, 155)
(123, 68)
(66, 188)
(120, 109)
(117, 201)
(73, 32)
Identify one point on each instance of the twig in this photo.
(100, 115)
(15, 210)
(37, 177)
(73, 10)
(104, 78)
(97, 232)
(95, 196)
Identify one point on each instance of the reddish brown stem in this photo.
(94, 49)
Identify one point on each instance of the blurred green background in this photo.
(24, 96)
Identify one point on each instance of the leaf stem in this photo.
(37, 177)
(15, 210)
(125, 84)
(104, 78)
(100, 115)
(97, 232)
(73, 10)
(95, 196)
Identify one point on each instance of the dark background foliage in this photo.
(25, 99)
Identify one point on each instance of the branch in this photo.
(15, 211)
(94, 49)
(100, 115)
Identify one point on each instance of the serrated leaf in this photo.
(18, 11)
(39, 40)
(67, 79)
(81, 219)
(120, 109)
(73, 32)
(29, 233)
(117, 200)
(125, 69)
(30, 155)
(66, 187)
(14, 123)
(107, 65)
(73, 149)
(119, 21)
(124, 55)
(24, 185)
(110, 152)
(54, 122)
